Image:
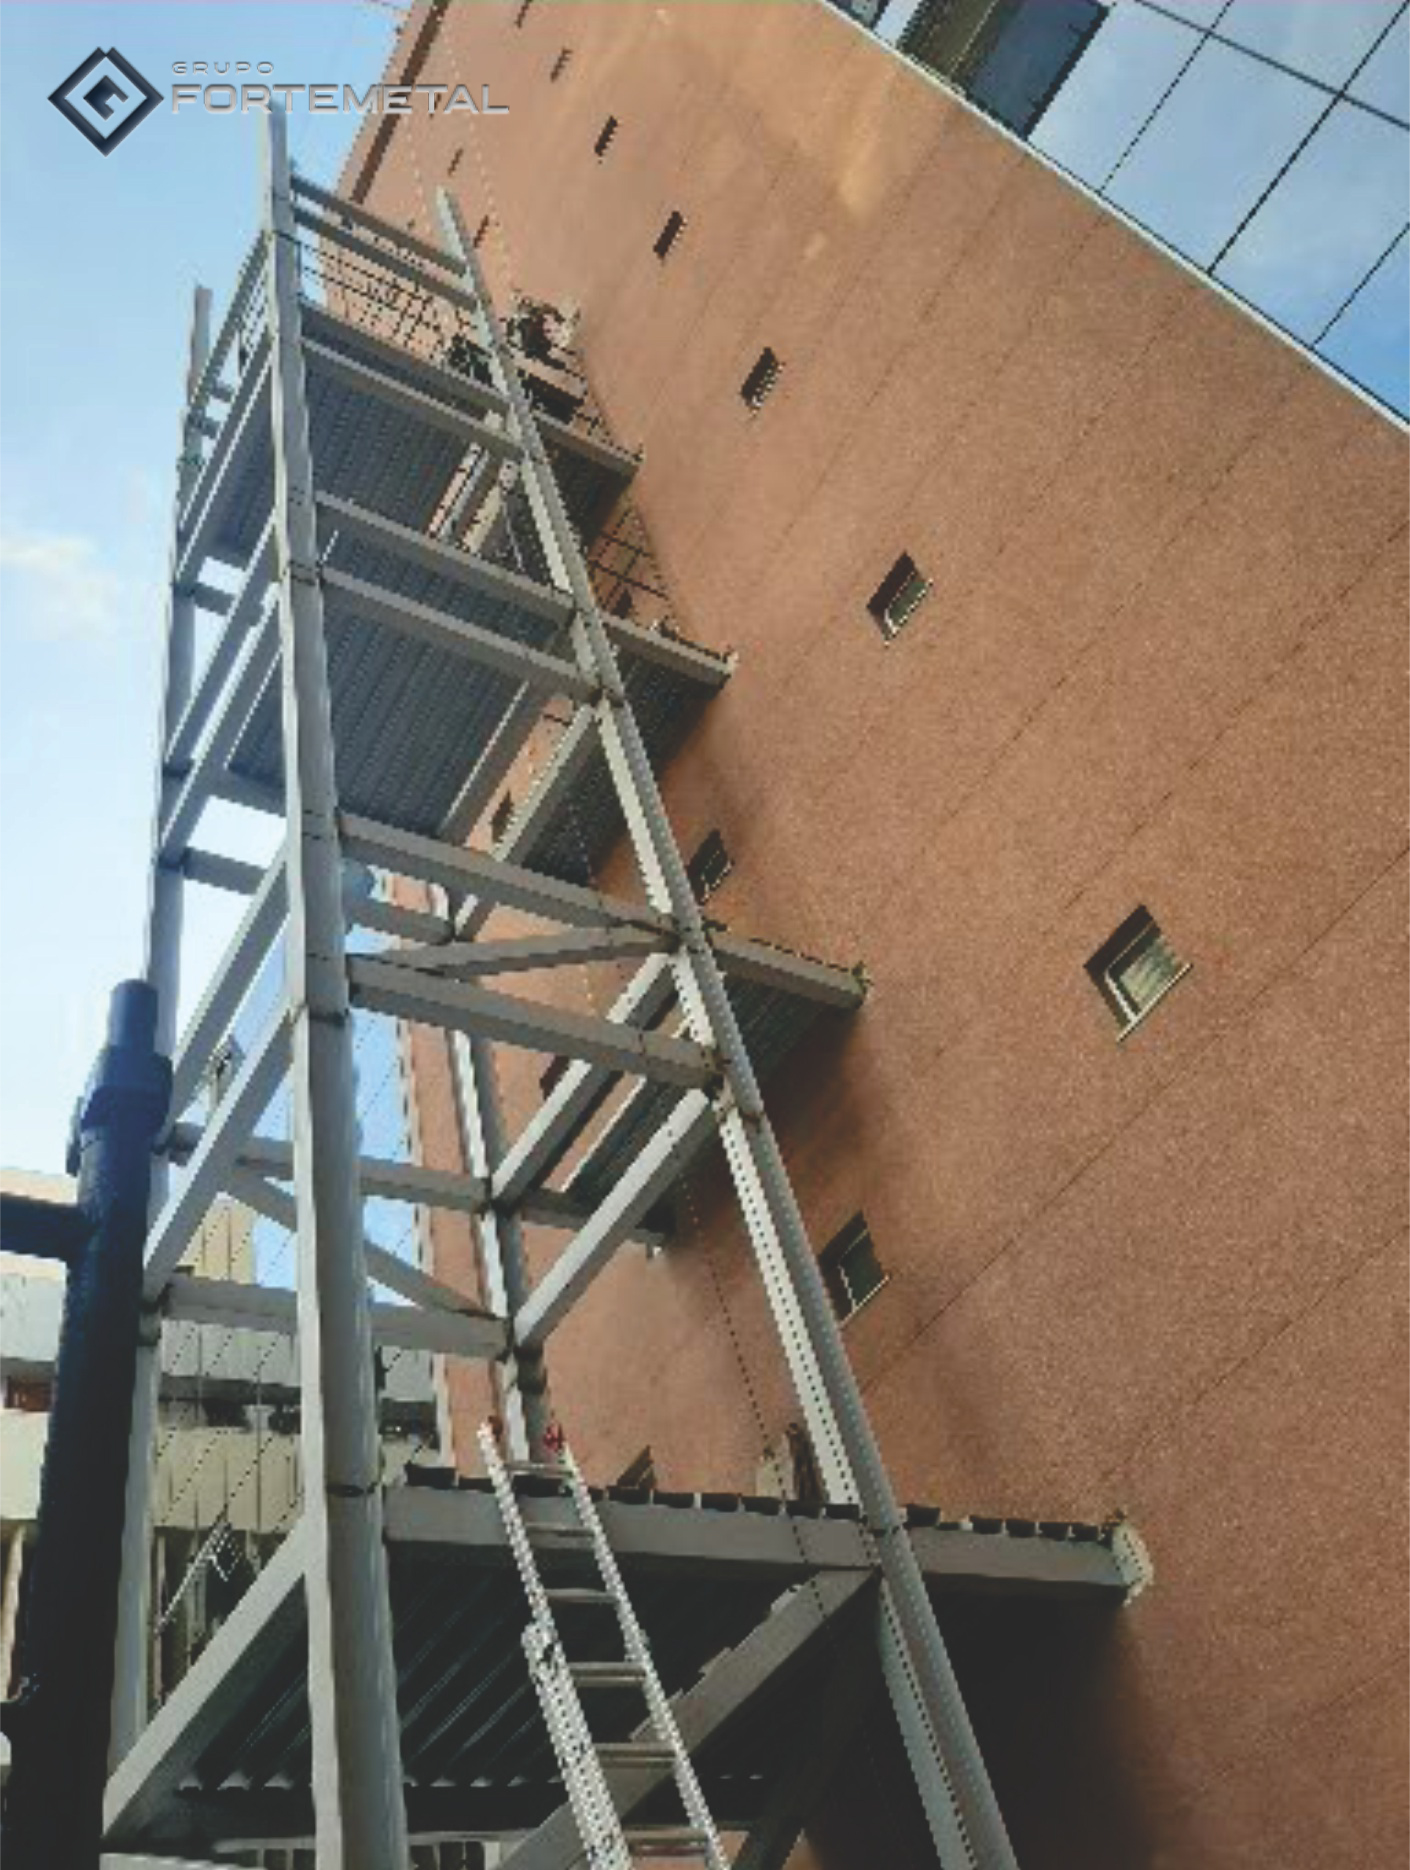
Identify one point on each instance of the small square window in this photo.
(709, 867)
(456, 160)
(560, 64)
(621, 605)
(898, 596)
(1135, 968)
(556, 1069)
(758, 386)
(850, 1269)
(604, 137)
(669, 234)
(500, 820)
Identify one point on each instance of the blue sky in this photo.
(98, 257)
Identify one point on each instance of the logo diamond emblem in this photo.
(106, 107)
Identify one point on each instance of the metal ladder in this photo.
(607, 1843)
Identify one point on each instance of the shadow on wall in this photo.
(1057, 1708)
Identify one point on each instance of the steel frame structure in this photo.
(309, 553)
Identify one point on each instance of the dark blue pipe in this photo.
(59, 1726)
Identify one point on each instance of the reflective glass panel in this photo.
(1130, 63)
(1215, 145)
(1371, 339)
(1325, 38)
(1200, 12)
(1384, 80)
(1326, 224)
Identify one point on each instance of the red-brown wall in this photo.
(1162, 663)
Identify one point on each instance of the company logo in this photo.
(106, 98)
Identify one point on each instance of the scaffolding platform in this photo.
(744, 1601)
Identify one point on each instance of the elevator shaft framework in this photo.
(307, 496)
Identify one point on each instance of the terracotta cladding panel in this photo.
(1162, 663)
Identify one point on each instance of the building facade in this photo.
(1068, 605)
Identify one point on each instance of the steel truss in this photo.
(271, 485)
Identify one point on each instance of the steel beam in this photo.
(255, 1084)
(697, 664)
(779, 1548)
(732, 1686)
(241, 1306)
(255, 666)
(228, 986)
(528, 954)
(341, 209)
(554, 784)
(357, 1774)
(393, 1181)
(387, 1269)
(197, 526)
(546, 1207)
(523, 1379)
(548, 675)
(381, 257)
(531, 1025)
(429, 409)
(437, 379)
(766, 966)
(219, 872)
(206, 597)
(688, 1127)
(242, 613)
(227, 1675)
(431, 860)
(448, 561)
(571, 1104)
(371, 912)
(205, 385)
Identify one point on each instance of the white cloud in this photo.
(68, 592)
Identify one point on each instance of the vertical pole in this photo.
(162, 971)
(54, 1812)
(9, 1605)
(357, 1777)
(524, 1383)
(963, 1814)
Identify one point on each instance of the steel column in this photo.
(357, 1774)
(964, 1818)
(524, 1379)
(162, 971)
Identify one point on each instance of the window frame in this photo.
(904, 576)
(767, 369)
(1139, 932)
(704, 888)
(832, 1266)
(665, 242)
